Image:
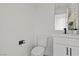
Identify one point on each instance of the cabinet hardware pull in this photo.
(70, 52)
(66, 50)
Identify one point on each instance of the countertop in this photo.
(67, 35)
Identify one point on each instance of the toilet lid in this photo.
(38, 51)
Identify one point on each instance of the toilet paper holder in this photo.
(21, 42)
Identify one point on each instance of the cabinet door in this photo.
(60, 50)
(74, 51)
(74, 42)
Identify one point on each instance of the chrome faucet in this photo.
(65, 31)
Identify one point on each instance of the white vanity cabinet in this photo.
(74, 51)
(60, 50)
(74, 46)
(65, 45)
(60, 45)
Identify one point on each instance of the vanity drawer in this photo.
(74, 42)
(60, 40)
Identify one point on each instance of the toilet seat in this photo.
(38, 51)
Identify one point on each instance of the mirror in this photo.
(60, 21)
(66, 16)
(60, 16)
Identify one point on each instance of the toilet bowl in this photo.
(38, 51)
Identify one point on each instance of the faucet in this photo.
(65, 31)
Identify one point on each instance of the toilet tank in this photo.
(47, 42)
(42, 40)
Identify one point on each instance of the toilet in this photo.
(39, 49)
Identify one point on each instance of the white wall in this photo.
(22, 22)
(15, 24)
(44, 18)
(61, 8)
